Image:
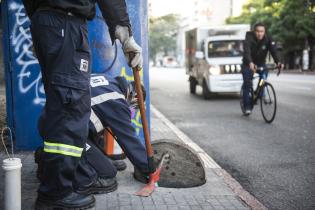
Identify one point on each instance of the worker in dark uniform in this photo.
(113, 99)
(59, 33)
(256, 46)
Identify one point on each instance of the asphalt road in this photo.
(275, 162)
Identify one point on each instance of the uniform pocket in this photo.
(51, 38)
(69, 94)
(50, 31)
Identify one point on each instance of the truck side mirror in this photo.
(199, 55)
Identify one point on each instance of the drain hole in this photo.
(167, 167)
(173, 173)
(198, 164)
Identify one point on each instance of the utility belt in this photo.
(59, 10)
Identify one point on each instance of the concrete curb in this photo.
(235, 186)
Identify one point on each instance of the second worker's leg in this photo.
(95, 173)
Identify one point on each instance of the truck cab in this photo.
(213, 59)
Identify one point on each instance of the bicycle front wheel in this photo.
(268, 103)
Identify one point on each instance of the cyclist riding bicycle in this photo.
(256, 46)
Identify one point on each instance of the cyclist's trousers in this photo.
(248, 85)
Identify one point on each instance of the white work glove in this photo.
(132, 50)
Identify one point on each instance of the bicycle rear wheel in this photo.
(268, 103)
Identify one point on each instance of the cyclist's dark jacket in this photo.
(256, 51)
(113, 11)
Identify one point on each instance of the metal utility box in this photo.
(24, 90)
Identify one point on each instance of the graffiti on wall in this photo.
(29, 76)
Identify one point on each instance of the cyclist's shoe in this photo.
(100, 186)
(72, 201)
(247, 112)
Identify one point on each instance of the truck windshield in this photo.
(231, 48)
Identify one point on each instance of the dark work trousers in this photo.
(100, 162)
(248, 85)
(62, 49)
(93, 163)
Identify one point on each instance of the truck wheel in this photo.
(192, 85)
(205, 90)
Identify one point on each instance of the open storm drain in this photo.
(182, 169)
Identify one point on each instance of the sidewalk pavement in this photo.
(218, 193)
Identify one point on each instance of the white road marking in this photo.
(208, 161)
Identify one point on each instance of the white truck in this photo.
(214, 58)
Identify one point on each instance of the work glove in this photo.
(132, 96)
(132, 51)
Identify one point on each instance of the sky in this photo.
(182, 7)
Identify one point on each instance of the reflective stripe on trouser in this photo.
(62, 149)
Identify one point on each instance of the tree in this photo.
(292, 22)
(295, 25)
(162, 35)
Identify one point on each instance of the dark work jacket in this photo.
(256, 51)
(113, 11)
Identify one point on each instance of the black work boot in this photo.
(141, 177)
(73, 201)
(119, 164)
(100, 186)
(38, 160)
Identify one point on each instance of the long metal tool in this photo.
(155, 175)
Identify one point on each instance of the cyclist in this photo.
(256, 46)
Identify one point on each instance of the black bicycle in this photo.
(267, 95)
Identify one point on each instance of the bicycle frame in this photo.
(257, 93)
